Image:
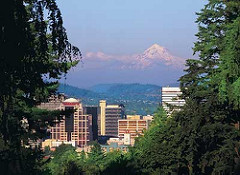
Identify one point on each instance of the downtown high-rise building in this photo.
(93, 111)
(108, 118)
(76, 128)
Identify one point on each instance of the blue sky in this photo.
(123, 27)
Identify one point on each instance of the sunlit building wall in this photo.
(77, 127)
(171, 99)
(132, 127)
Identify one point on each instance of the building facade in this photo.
(114, 147)
(74, 128)
(93, 110)
(108, 118)
(132, 128)
(52, 144)
(171, 100)
(134, 117)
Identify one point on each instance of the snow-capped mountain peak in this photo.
(157, 53)
(156, 47)
(154, 56)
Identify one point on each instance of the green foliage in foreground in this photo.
(35, 53)
(202, 137)
(66, 161)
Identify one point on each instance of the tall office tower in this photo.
(93, 110)
(76, 128)
(108, 118)
(171, 100)
(132, 128)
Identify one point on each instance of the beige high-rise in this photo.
(75, 128)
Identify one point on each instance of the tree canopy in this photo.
(203, 138)
(35, 53)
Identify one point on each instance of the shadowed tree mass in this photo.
(35, 53)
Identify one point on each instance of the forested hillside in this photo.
(137, 98)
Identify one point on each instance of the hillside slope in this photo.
(137, 98)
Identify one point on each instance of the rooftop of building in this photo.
(171, 89)
(71, 100)
(112, 106)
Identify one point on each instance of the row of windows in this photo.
(111, 126)
(131, 130)
(58, 136)
(132, 124)
(57, 130)
(81, 130)
(80, 138)
(82, 117)
(111, 123)
(75, 129)
(81, 123)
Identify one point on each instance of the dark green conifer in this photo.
(34, 54)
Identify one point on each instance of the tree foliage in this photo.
(202, 137)
(67, 161)
(35, 53)
(64, 161)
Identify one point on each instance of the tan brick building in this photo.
(77, 127)
(134, 127)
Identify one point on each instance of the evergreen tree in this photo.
(35, 53)
(65, 160)
(210, 141)
(154, 153)
(201, 138)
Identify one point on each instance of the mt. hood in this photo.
(157, 54)
(155, 65)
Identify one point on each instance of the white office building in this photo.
(171, 100)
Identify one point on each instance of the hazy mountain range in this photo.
(155, 55)
(137, 98)
(155, 65)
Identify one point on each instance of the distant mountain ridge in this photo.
(155, 55)
(138, 98)
(76, 92)
(119, 89)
